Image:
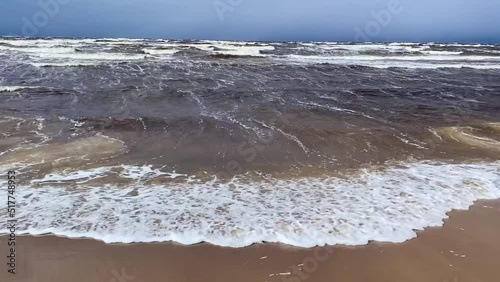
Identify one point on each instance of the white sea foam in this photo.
(90, 56)
(421, 56)
(82, 59)
(14, 88)
(145, 172)
(46, 43)
(78, 176)
(232, 48)
(163, 52)
(403, 44)
(371, 47)
(64, 64)
(213, 47)
(427, 62)
(42, 51)
(62, 52)
(383, 205)
(462, 45)
(138, 173)
(254, 51)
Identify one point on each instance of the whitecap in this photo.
(384, 205)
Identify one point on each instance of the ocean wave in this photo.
(229, 56)
(90, 56)
(86, 52)
(136, 173)
(411, 62)
(159, 51)
(383, 205)
(466, 136)
(63, 64)
(14, 88)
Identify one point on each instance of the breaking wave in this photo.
(88, 52)
(386, 205)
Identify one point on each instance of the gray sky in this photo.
(278, 20)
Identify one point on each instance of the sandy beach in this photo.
(465, 249)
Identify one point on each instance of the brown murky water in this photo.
(117, 114)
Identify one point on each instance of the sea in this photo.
(236, 143)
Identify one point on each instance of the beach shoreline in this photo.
(464, 249)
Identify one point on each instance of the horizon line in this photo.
(263, 41)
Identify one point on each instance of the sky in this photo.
(257, 20)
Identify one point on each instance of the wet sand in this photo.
(466, 249)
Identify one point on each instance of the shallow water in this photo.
(237, 142)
